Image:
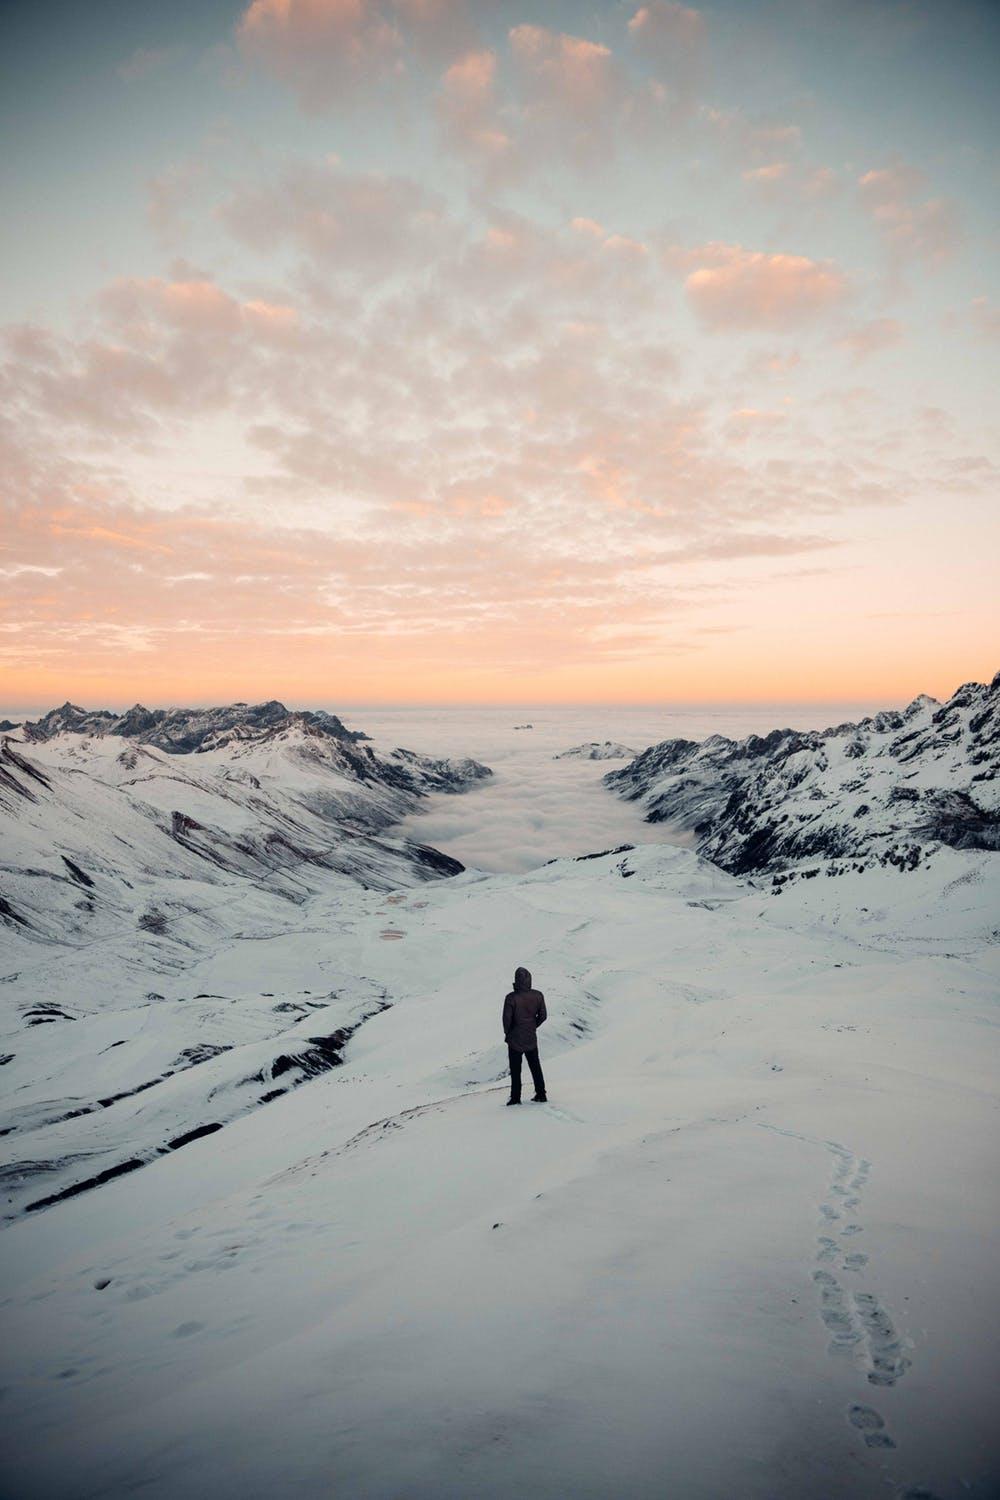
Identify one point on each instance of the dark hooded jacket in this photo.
(523, 1011)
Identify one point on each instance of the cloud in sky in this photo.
(872, 337)
(479, 346)
(914, 227)
(325, 49)
(732, 287)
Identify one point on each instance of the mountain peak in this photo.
(891, 788)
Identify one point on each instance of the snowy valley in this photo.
(269, 1230)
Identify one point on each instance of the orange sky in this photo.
(445, 353)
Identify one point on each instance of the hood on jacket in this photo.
(522, 981)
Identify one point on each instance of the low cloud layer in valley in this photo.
(536, 807)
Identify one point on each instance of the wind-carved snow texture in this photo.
(890, 789)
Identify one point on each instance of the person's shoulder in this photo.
(538, 994)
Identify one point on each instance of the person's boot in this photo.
(512, 1101)
(540, 1099)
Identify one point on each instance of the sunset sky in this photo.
(400, 351)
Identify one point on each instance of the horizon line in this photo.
(121, 706)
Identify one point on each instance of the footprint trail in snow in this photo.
(861, 1328)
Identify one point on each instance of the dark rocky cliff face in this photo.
(891, 784)
(182, 731)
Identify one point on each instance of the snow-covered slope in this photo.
(98, 805)
(894, 788)
(746, 1250)
(272, 1232)
(134, 846)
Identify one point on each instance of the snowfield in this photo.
(746, 1250)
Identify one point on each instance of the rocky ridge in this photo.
(596, 750)
(890, 788)
(140, 849)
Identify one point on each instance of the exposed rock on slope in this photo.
(890, 788)
(98, 810)
(182, 730)
(135, 848)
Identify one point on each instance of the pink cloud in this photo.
(775, 171)
(792, 184)
(914, 228)
(319, 47)
(328, 49)
(666, 29)
(872, 337)
(467, 108)
(731, 287)
(356, 221)
(570, 91)
(754, 141)
(750, 421)
(672, 39)
(573, 69)
(159, 348)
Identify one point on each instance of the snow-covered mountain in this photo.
(256, 792)
(133, 846)
(596, 750)
(182, 730)
(892, 788)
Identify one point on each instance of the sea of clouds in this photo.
(536, 807)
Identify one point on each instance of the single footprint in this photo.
(835, 1312)
(827, 1248)
(864, 1417)
(856, 1261)
(832, 1305)
(851, 1229)
(184, 1329)
(875, 1318)
(868, 1422)
(828, 1211)
(889, 1361)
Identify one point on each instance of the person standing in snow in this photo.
(523, 1012)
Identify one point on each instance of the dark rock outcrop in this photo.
(911, 779)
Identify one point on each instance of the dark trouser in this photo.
(515, 1071)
